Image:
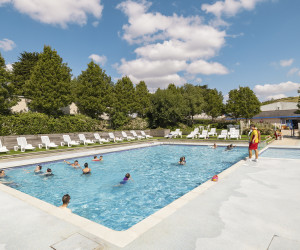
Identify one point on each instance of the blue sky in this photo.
(225, 43)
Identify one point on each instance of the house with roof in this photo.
(280, 113)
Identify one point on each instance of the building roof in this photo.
(277, 114)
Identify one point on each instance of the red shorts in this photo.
(253, 146)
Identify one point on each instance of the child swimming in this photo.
(182, 160)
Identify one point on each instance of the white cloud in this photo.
(285, 63)
(9, 67)
(7, 44)
(293, 71)
(168, 46)
(58, 12)
(98, 59)
(206, 68)
(229, 7)
(268, 91)
(95, 24)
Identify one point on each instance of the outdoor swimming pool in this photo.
(158, 180)
(287, 153)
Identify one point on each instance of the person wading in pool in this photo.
(86, 169)
(74, 165)
(66, 200)
(182, 160)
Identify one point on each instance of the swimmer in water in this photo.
(3, 177)
(214, 146)
(66, 200)
(74, 165)
(86, 169)
(182, 160)
(125, 180)
(48, 172)
(229, 147)
(37, 170)
(96, 159)
(2, 173)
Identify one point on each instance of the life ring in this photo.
(215, 178)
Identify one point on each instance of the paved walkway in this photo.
(287, 141)
(255, 207)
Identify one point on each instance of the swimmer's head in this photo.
(127, 175)
(39, 167)
(86, 165)
(95, 157)
(76, 162)
(49, 170)
(66, 199)
(2, 171)
(101, 156)
(181, 159)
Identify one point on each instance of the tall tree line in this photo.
(47, 82)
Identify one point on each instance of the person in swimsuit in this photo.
(86, 169)
(125, 179)
(214, 146)
(95, 158)
(2, 173)
(49, 172)
(253, 143)
(66, 200)
(229, 147)
(74, 165)
(182, 160)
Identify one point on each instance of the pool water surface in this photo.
(157, 181)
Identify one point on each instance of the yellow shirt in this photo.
(254, 133)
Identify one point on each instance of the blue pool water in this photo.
(281, 153)
(158, 180)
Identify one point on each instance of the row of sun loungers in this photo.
(45, 141)
(225, 134)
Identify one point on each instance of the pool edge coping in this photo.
(123, 238)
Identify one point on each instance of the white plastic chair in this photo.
(22, 143)
(134, 134)
(212, 132)
(113, 138)
(85, 141)
(3, 149)
(126, 137)
(145, 135)
(192, 135)
(46, 142)
(70, 142)
(179, 133)
(235, 135)
(99, 139)
(231, 131)
(223, 135)
(204, 134)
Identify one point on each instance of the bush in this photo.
(38, 123)
(263, 131)
(137, 124)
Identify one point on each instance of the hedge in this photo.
(38, 123)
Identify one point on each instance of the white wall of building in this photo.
(279, 106)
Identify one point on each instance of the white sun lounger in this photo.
(212, 132)
(235, 135)
(85, 141)
(46, 142)
(126, 137)
(3, 149)
(203, 135)
(134, 134)
(223, 135)
(99, 139)
(70, 142)
(145, 135)
(113, 138)
(23, 145)
(192, 135)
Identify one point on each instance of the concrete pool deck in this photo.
(244, 210)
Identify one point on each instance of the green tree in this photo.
(123, 102)
(49, 85)
(22, 70)
(168, 107)
(242, 103)
(193, 96)
(142, 99)
(93, 91)
(213, 103)
(6, 92)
